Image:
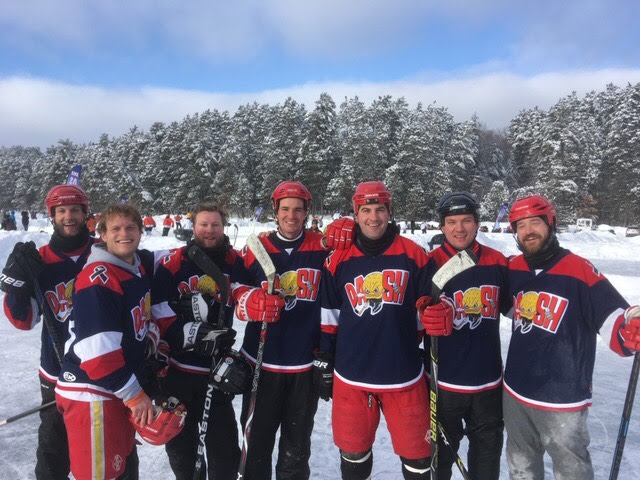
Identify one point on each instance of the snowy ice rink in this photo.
(618, 257)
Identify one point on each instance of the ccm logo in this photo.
(11, 281)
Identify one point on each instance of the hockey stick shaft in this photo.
(262, 257)
(209, 267)
(459, 462)
(626, 417)
(455, 265)
(27, 413)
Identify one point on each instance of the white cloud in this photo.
(40, 112)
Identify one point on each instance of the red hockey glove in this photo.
(437, 319)
(153, 337)
(257, 305)
(631, 329)
(340, 233)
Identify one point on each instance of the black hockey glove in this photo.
(323, 374)
(207, 340)
(24, 264)
(195, 307)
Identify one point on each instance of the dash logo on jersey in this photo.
(59, 299)
(141, 315)
(474, 304)
(204, 284)
(377, 289)
(538, 309)
(297, 285)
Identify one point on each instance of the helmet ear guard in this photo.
(168, 421)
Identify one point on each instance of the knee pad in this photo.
(416, 469)
(356, 466)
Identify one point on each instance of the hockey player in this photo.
(561, 302)
(149, 224)
(371, 331)
(178, 282)
(99, 387)
(178, 219)
(286, 398)
(167, 224)
(54, 266)
(466, 318)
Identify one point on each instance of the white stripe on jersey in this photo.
(329, 316)
(97, 345)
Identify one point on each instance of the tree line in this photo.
(582, 153)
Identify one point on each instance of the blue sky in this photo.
(75, 69)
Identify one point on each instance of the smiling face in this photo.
(460, 230)
(373, 220)
(122, 237)
(532, 233)
(291, 215)
(208, 229)
(68, 220)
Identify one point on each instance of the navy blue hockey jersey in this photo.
(469, 358)
(176, 275)
(56, 280)
(557, 314)
(291, 340)
(105, 353)
(369, 318)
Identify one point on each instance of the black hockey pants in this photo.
(52, 454)
(483, 426)
(223, 451)
(287, 401)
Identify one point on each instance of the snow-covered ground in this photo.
(616, 256)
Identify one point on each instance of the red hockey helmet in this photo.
(66, 195)
(168, 421)
(371, 192)
(532, 206)
(290, 189)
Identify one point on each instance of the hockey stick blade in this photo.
(209, 267)
(457, 264)
(263, 258)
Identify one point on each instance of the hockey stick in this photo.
(209, 267)
(459, 462)
(626, 417)
(460, 262)
(27, 413)
(263, 258)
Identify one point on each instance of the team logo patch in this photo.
(475, 304)
(538, 309)
(301, 285)
(204, 284)
(59, 299)
(69, 377)
(141, 315)
(376, 290)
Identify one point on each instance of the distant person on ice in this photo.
(167, 224)
(561, 302)
(25, 219)
(149, 224)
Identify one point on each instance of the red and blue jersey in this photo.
(369, 318)
(291, 340)
(105, 352)
(177, 275)
(469, 358)
(56, 280)
(558, 311)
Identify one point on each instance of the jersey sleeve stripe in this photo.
(103, 365)
(329, 317)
